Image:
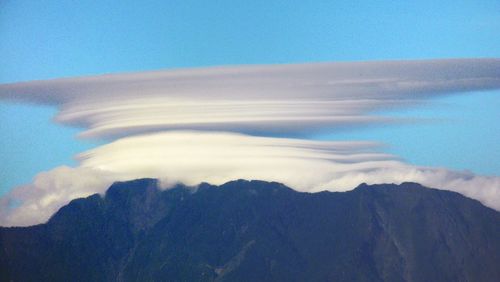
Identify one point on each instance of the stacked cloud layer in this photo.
(220, 124)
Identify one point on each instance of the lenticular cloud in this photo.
(264, 100)
(217, 124)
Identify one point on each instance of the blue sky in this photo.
(50, 39)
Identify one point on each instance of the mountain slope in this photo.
(258, 231)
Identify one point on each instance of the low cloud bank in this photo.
(36, 202)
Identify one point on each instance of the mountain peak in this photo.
(258, 231)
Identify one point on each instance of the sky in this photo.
(52, 39)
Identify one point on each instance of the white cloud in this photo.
(192, 118)
(36, 202)
(194, 157)
(284, 99)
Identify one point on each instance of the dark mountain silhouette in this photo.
(258, 231)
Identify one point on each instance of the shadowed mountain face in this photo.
(258, 231)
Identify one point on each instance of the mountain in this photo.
(258, 231)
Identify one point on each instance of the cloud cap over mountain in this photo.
(219, 124)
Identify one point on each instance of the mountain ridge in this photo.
(257, 230)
